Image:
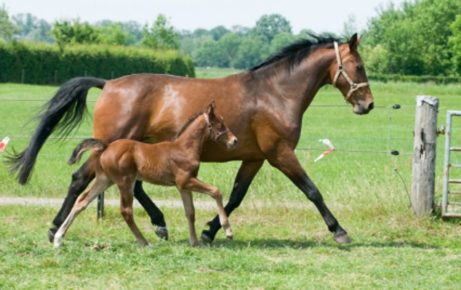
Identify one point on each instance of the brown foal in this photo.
(170, 163)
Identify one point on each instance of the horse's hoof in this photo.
(230, 237)
(57, 242)
(206, 239)
(342, 238)
(51, 233)
(162, 233)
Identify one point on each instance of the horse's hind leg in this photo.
(101, 183)
(126, 209)
(190, 215)
(156, 215)
(80, 180)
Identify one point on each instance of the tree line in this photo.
(420, 37)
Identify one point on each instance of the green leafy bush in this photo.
(47, 64)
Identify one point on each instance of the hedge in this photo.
(46, 64)
(415, 79)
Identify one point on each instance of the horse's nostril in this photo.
(371, 106)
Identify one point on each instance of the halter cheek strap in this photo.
(353, 85)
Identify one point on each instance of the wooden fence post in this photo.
(425, 139)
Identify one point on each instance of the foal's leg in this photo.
(286, 161)
(190, 215)
(242, 182)
(196, 185)
(126, 209)
(88, 196)
(80, 180)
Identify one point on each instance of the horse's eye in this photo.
(360, 67)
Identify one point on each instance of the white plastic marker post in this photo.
(4, 143)
(330, 149)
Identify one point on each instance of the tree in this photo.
(32, 28)
(415, 36)
(280, 40)
(229, 45)
(211, 54)
(268, 26)
(7, 28)
(114, 33)
(455, 43)
(161, 35)
(66, 32)
(250, 52)
(218, 32)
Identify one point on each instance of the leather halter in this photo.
(353, 86)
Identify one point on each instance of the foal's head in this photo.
(348, 75)
(218, 131)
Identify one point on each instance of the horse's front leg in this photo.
(196, 185)
(242, 182)
(286, 161)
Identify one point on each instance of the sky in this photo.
(319, 16)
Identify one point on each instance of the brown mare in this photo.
(170, 163)
(263, 107)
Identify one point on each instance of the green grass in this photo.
(269, 251)
(278, 247)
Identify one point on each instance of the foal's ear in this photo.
(211, 109)
(354, 42)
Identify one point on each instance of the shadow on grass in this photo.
(310, 244)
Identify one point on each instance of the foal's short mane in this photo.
(184, 127)
(297, 51)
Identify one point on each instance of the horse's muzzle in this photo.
(232, 143)
(361, 109)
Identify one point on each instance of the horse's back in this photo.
(153, 108)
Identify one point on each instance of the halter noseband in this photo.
(353, 86)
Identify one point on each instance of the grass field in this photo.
(277, 247)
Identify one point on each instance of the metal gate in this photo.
(451, 200)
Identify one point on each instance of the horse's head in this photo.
(219, 132)
(348, 75)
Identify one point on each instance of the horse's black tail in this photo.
(63, 113)
(86, 145)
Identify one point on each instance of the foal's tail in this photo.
(85, 145)
(63, 113)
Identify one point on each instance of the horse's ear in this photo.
(211, 109)
(354, 42)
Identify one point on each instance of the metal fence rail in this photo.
(451, 206)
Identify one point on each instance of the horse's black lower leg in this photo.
(291, 167)
(80, 180)
(304, 183)
(155, 214)
(242, 182)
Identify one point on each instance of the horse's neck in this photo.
(300, 84)
(193, 137)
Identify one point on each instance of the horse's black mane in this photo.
(298, 50)
(184, 127)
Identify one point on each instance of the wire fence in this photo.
(387, 139)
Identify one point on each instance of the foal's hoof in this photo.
(51, 233)
(342, 238)
(206, 239)
(230, 237)
(162, 232)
